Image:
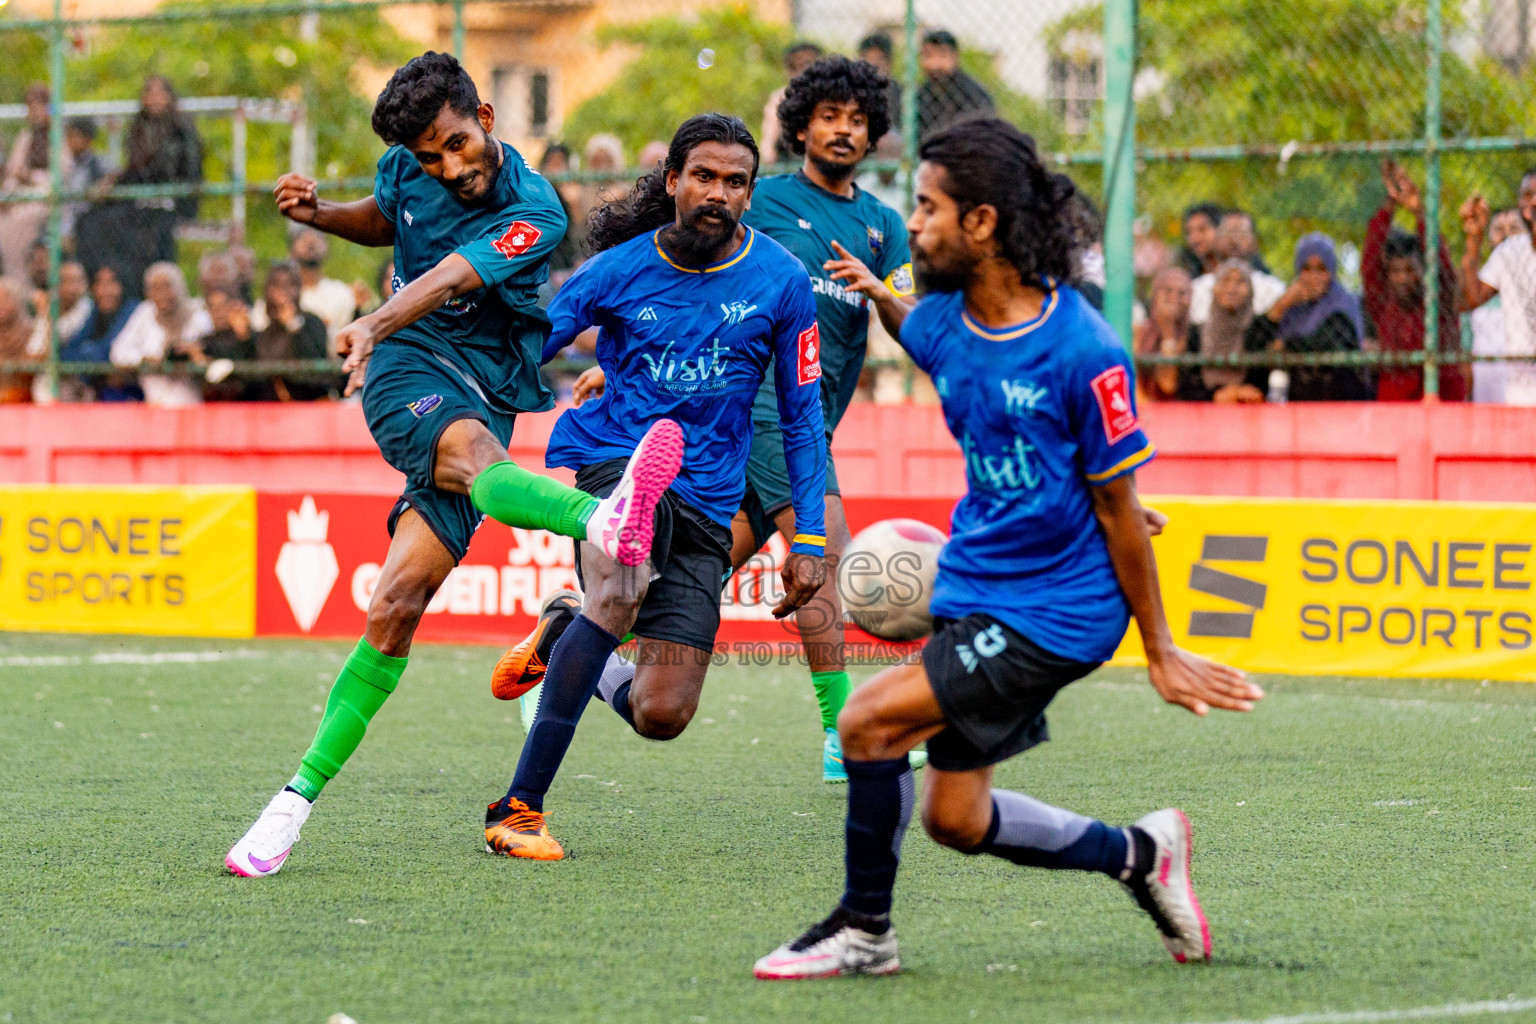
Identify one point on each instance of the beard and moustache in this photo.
(699, 236)
(933, 278)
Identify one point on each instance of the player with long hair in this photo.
(1048, 558)
(692, 307)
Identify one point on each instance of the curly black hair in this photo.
(835, 79)
(647, 206)
(1041, 226)
(416, 94)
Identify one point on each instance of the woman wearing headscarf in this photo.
(1225, 332)
(1314, 315)
(1168, 332)
(162, 148)
(92, 343)
(163, 333)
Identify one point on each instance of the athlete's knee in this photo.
(953, 826)
(662, 716)
(612, 607)
(866, 733)
(397, 606)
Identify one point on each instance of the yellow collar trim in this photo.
(746, 247)
(1009, 333)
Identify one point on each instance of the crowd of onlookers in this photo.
(1216, 296)
(122, 298)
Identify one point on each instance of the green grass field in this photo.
(1361, 846)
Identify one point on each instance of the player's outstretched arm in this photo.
(1179, 677)
(448, 280)
(360, 221)
(857, 277)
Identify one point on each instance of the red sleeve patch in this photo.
(1112, 390)
(520, 237)
(809, 346)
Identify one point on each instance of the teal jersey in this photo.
(806, 220)
(494, 335)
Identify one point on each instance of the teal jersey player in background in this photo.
(444, 365)
(855, 249)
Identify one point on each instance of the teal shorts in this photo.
(768, 488)
(410, 397)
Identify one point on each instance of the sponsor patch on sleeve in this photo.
(1112, 390)
(810, 354)
(520, 237)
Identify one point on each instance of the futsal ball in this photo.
(886, 578)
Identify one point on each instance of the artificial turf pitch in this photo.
(1361, 845)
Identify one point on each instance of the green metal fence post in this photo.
(56, 47)
(909, 101)
(458, 29)
(1119, 164)
(1432, 296)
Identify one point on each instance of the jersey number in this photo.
(520, 237)
(810, 354)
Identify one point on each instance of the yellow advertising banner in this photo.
(155, 560)
(1370, 588)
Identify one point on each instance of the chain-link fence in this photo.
(1232, 128)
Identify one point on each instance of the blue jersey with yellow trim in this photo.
(492, 335)
(1043, 411)
(694, 345)
(806, 219)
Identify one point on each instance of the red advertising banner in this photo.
(318, 557)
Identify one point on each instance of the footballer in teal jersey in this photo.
(445, 365)
(1049, 554)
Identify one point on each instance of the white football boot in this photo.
(1166, 892)
(263, 850)
(623, 523)
(832, 948)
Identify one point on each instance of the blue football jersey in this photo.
(694, 345)
(495, 333)
(1043, 411)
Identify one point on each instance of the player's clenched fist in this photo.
(803, 575)
(297, 198)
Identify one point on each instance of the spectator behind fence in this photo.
(567, 255)
(26, 168)
(1510, 274)
(23, 339)
(74, 300)
(1234, 241)
(1392, 270)
(327, 298)
(162, 148)
(776, 149)
(92, 343)
(291, 333)
(1226, 333)
(1167, 331)
(231, 340)
(86, 170)
(876, 49)
(1314, 315)
(1199, 255)
(1248, 234)
(947, 93)
(163, 335)
(1486, 322)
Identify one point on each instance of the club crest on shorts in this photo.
(422, 406)
(1112, 390)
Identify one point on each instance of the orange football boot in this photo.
(520, 833)
(522, 668)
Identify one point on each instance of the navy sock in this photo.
(575, 666)
(1026, 831)
(880, 799)
(613, 687)
(620, 703)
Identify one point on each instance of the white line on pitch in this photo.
(1413, 1013)
(125, 658)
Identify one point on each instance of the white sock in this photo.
(616, 672)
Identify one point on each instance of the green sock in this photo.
(832, 690)
(366, 680)
(510, 494)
